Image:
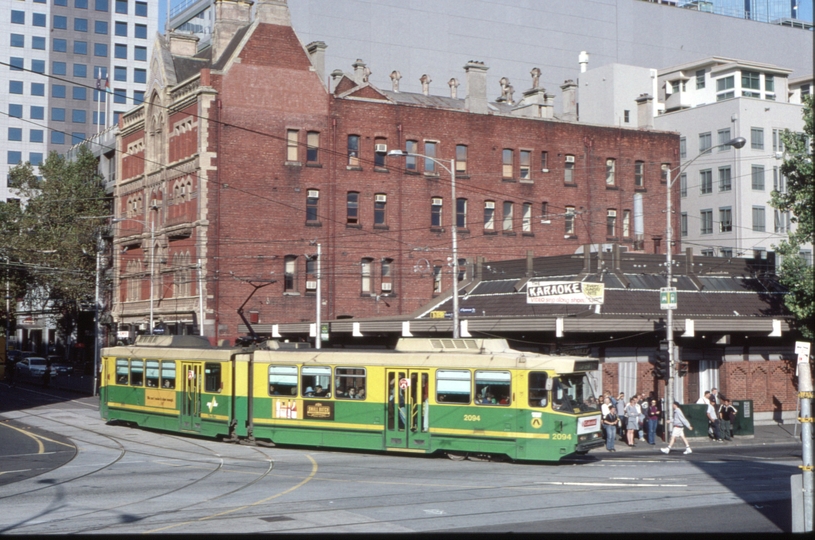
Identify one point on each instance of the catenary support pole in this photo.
(317, 321)
(805, 395)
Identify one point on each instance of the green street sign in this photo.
(667, 298)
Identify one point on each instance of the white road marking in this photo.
(21, 470)
(609, 484)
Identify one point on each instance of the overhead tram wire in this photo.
(336, 153)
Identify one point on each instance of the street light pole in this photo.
(96, 330)
(454, 231)
(738, 142)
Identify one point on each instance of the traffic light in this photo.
(661, 365)
(682, 369)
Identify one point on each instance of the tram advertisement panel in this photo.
(588, 424)
(318, 410)
(164, 399)
(287, 408)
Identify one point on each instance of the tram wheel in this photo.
(457, 456)
(479, 457)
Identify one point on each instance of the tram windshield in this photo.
(573, 393)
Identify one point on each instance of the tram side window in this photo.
(212, 378)
(492, 387)
(122, 371)
(453, 386)
(350, 383)
(537, 389)
(151, 373)
(316, 381)
(168, 374)
(137, 373)
(283, 380)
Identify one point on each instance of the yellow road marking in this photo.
(40, 446)
(244, 507)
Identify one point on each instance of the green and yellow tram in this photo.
(461, 397)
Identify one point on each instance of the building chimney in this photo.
(569, 88)
(645, 111)
(583, 60)
(453, 84)
(395, 77)
(230, 16)
(336, 76)
(183, 44)
(316, 52)
(273, 12)
(476, 100)
(359, 71)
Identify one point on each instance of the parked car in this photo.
(62, 367)
(33, 367)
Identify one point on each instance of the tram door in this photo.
(407, 419)
(191, 398)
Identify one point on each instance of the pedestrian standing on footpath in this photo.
(678, 430)
(610, 421)
(621, 415)
(632, 420)
(704, 399)
(606, 406)
(641, 424)
(713, 420)
(727, 415)
(652, 419)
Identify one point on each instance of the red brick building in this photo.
(244, 156)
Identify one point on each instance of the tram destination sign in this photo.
(564, 292)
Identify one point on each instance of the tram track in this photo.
(360, 505)
(121, 444)
(437, 485)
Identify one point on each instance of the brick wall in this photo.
(255, 199)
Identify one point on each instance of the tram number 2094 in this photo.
(562, 436)
(472, 418)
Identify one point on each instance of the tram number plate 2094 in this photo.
(472, 418)
(562, 436)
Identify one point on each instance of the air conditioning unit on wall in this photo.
(387, 287)
(569, 159)
(311, 285)
(381, 148)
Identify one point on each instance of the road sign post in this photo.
(667, 298)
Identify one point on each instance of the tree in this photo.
(50, 241)
(795, 273)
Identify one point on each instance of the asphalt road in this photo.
(126, 480)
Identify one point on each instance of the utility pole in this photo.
(8, 308)
(97, 333)
(805, 396)
(317, 321)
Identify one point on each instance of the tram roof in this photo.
(409, 352)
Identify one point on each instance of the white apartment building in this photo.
(725, 194)
(54, 51)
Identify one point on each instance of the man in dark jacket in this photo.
(727, 417)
